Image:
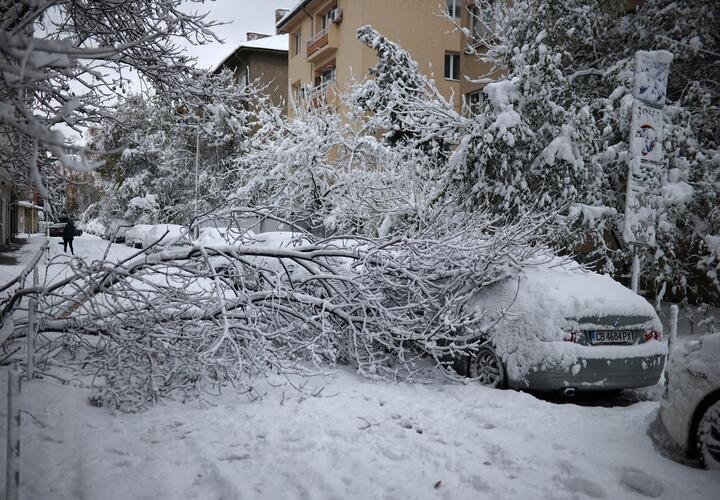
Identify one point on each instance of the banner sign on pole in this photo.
(646, 129)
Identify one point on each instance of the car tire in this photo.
(487, 367)
(708, 437)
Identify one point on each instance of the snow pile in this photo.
(702, 357)
(590, 213)
(562, 148)
(503, 95)
(213, 237)
(530, 315)
(136, 234)
(94, 226)
(356, 441)
(164, 235)
(713, 243)
(676, 191)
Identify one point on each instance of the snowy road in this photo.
(88, 248)
(359, 440)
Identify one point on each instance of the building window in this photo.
(327, 17)
(484, 20)
(452, 66)
(453, 8)
(297, 42)
(472, 99)
(325, 76)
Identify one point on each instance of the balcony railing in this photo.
(318, 41)
(316, 97)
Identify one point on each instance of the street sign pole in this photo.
(646, 154)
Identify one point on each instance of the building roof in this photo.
(301, 4)
(275, 43)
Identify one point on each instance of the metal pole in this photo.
(32, 329)
(635, 270)
(673, 326)
(31, 333)
(12, 470)
(197, 168)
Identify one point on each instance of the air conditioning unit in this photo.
(336, 15)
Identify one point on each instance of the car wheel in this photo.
(708, 437)
(487, 368)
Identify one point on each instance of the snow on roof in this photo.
(278, 43)
(275, 42)
(291, 13)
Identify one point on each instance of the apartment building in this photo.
(326, 56)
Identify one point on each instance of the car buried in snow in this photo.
(690, 407)
(556, 326)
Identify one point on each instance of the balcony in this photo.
(317, 97)
(318, 41)
(323, 43)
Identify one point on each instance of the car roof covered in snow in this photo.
(565, 288)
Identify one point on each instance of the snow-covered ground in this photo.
(356, 439)
(15, 260)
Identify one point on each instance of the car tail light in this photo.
(652, 335)
(572, 337)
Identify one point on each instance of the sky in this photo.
(244, 15)
(241, 16)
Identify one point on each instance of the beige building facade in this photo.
(325, 54)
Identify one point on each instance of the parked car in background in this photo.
(56, 230)
(690, 407)
(135, 236)
(116, 230)
(555, 326)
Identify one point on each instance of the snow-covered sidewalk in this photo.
(357, 440)
(14, 260)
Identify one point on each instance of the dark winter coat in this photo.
(69, 232)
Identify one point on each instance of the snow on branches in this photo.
(66, 62)
(571, 66)
(187, 319)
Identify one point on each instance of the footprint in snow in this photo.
(116, 451)
(234, 458)
(578, 484)
(640, 482)
(50, 439)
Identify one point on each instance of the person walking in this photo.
(68, 236)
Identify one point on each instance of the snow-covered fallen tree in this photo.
(188, 319)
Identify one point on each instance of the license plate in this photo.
(612, 337)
